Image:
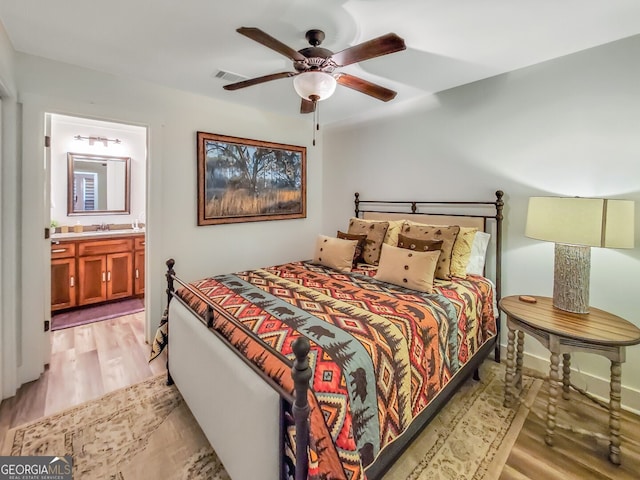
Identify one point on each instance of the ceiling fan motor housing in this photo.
(317, 59)
(315, 37)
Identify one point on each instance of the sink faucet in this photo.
(103, 227)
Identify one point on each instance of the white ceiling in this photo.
(182, 43)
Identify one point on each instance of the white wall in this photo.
(133, 144)
(565, 127)
(9, 212)
(173, 118)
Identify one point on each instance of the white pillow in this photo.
(407, 268)
(478, 253)
(335, 252)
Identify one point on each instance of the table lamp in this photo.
(576, 224)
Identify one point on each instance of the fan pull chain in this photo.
(316, 118)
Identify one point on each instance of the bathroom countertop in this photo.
(96, 234)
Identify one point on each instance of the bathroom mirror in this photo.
(97, 184)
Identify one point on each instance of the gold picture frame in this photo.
(243, 180)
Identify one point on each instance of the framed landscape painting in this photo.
(241, 180)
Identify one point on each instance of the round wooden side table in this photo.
(563, 333)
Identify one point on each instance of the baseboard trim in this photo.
(597, 386)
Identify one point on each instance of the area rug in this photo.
(140, 432)
(98, 313)
(472, 436)
(146, 431)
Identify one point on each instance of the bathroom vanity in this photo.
(95, 267)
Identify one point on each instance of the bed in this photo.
(316, 369)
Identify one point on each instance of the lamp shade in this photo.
(593, 222)
(314, 84)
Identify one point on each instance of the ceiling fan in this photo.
(315, 67)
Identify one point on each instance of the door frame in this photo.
(48, 120)
(10, 290)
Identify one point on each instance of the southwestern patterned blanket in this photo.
(379, 352)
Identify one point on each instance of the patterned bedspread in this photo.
(379, 353)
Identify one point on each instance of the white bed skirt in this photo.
(237, 410)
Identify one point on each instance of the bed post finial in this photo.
(357, 203)
(301, 374)
(499, 201)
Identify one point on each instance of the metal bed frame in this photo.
(297, 402)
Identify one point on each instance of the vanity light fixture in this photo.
(105, 141)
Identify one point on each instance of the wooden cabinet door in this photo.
(119, 275)
(138, 273)
(92, 275)
(63, 283)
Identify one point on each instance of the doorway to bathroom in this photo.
(97, 190)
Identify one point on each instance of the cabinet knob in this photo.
(137, 273)
(104, 277)
(109, 276)
(72, 282)
(58, 250)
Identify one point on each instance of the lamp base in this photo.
(572, 266)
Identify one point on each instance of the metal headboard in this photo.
(488, 212)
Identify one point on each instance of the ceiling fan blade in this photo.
(364, 86)
(257, 80)
(307, 106)
(376, 47)
(268, 41)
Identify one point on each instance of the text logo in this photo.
(36, 468)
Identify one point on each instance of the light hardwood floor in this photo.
(574, 455)
(86, 362)
(91, 360)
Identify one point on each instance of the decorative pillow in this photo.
(478, 254)
(335, 252)
(361, 239)
(462, 251)
(375, 232)
(418, 245)
(448, 236)
(406, 268)
(395, 227)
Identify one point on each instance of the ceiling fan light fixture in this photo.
(316, 84)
